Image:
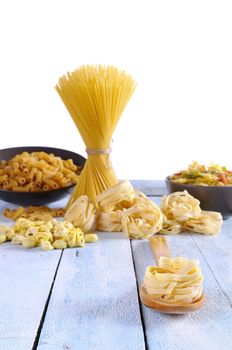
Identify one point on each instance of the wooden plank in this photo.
(216, 251)
(150, 187)
(26, 276)
(208, 328)
(94, 303)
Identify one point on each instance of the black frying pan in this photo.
(38, 198)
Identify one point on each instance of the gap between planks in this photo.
(139, 301)
(36, 341)
(211, 270)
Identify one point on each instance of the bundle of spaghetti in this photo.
(128, 210)
(182, 212)
(82, 213)
(175, 281)
(95, 97)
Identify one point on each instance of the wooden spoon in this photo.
(160, 248)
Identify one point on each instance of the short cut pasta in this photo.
(47, 235)
(36, 172)
(33, 213)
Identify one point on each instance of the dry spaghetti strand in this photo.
(95, 97)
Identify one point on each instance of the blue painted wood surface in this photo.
(26, 276)
(94, 302)
(150, 187)
(210, 327)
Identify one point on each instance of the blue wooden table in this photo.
(87, 298)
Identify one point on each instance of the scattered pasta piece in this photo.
(91, 238)
(37, 172)
(47, 235)
(46, 245)
(33, 213)
(175, 280)
(182, 212)
(60, 244)
(3, 237)
(82, 213)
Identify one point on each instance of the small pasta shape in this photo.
(47, 235)
(33, 213)
(37, 171)
(53, 184)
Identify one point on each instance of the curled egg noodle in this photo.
(182, 212)
(121, 208)
(175, 281)
(81, 213)
(180, 206)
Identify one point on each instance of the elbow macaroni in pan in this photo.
(36, 172)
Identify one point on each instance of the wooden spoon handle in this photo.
(159, 247)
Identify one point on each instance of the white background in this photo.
(179, 52)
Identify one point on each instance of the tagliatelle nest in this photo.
(170, 226)
(182, 212)
(121, 195)
(142, 220)
(208, 223)
(175, 280)
(110, 221)
(124, 209)
(82, 213)
(180, 206)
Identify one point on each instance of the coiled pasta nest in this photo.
(175, 280)
(121, 208)
(182, 212)
(82, 213)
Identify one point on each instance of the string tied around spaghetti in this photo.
(106, 151)
(92, 151)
